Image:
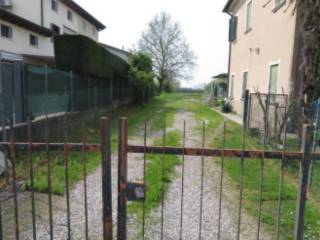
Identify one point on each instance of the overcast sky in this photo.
(203, 23)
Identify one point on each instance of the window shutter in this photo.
(233, 22)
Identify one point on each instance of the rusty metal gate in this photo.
(305, 157)
(133, 191)
(12, 195)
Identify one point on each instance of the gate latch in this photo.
(136, 191)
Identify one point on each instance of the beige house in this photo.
(262, 44)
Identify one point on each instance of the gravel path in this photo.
(192, 193)
(172, 202)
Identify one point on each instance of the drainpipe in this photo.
(230, 50)
(41, 13)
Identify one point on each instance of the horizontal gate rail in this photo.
(78, 147)
(30, 167)
(211, 152)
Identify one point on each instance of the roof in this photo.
(82, 12)
(124, 55)
(24, 23)
(227, 6)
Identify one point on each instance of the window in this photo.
(84, 25)
(273, 81)
(6, 31)
(278, 4)
(232, 86)
(34, 40)
(249, 16)
(55, 29)
(54, 5)
(70, 16)
(233, 28)
(93, 31)
(244, 83)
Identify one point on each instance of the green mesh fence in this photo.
(52, 91)
(38, 91)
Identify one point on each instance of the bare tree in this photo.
(165, 43)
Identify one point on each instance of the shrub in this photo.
(226, 106)
(84, 56)
(142, 76)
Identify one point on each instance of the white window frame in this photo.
(37, 40)
(232, 81)
(10, 31)
(269, 74)
(244, 71)
(246, 28)
(57, 5)
(71, 15)
(84, 24)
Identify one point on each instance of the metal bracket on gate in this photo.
(136, 191)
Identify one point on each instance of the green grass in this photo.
(162, 109)
(155, 112)
(271, 187)
(158, 179)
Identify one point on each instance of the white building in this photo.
(27, 27)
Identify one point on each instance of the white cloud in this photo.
(204, 25)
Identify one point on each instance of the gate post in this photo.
(106, 179)
(245, 110)
(122, 179)
(307, 139)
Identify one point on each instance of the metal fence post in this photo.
(71, 91)
(122, 179)
(106, 179)
(314, 144)
(245, 110)
(303, 182)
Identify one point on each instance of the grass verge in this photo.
(155, 112)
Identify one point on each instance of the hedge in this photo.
(86, 57)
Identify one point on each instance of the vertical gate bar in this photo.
(162, 177)
(85, 195)
(122, 179)
(66, 172)
(14, 183)
(314, 145)
(182, 177)
(144, 178)
(303, 183)
(107, 180)
(4, 139)
(245, 111)
(261, 182)
(284, 143)
(202, 179)
(33, 209)
(48, 162)
(1, 231)
(221, 180)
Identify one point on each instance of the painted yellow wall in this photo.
(271, 40)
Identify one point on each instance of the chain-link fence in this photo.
(28, 91)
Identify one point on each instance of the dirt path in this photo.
(172, 211)
(192, 190)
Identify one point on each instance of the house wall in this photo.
(20, 42)
(271, 40)
(31, 10)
